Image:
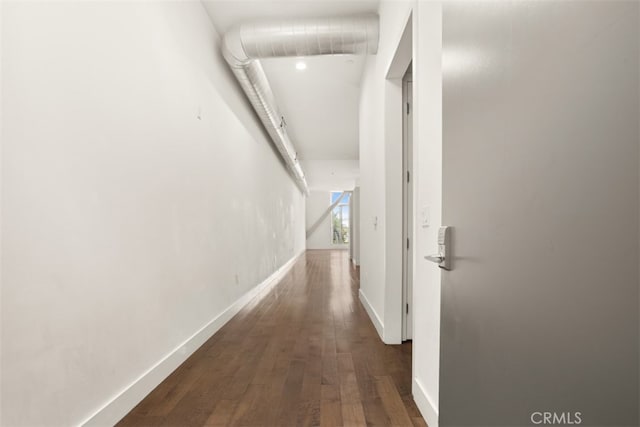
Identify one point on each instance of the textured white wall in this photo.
(140, 198)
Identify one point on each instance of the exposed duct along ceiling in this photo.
(245, 44)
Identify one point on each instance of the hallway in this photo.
(319, 213)
(305, 354)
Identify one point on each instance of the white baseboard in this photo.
(372, 314)
(123, 402)
(425, 405)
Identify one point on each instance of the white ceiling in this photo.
(331, 175)
(226, 13)
(320, 104)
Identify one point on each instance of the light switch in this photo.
(425, 217)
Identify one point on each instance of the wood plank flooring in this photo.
(306, 354)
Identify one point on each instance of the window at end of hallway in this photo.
(340, 218)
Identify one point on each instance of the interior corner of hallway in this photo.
(140, 198)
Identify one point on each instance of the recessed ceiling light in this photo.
(301, 65)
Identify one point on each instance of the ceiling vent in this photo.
(245, 44)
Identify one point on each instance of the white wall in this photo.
(317, 203)
(373, 152)
(427, 157)
(355, 232)
(381, 150)
(140, 198)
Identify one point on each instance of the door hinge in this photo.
(407, 243)
(408, 106)
(407, 308)
(408, 176)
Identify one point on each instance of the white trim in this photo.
(124, 401)
(428, 410)
(399, 39)
(375, 319)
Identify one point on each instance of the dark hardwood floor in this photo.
(305, 354)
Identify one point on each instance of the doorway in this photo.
(398, 266)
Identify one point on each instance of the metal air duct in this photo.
(245, 44)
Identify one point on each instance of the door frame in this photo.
(395, 244)
(407, 204)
